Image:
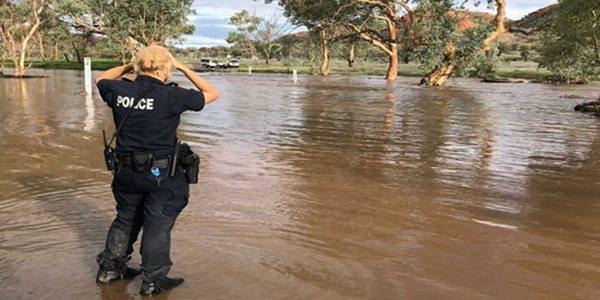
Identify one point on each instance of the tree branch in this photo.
(363, 35)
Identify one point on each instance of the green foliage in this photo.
(254, 33)
(148, 22)
(436, 29)
(442, 40)
(480, 65)
(571, 45)
(310, 13)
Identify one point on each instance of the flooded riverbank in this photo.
(346, 187)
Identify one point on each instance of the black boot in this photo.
(106, 277)
(160, 285)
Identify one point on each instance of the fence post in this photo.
(87, 69)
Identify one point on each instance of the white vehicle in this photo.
(212, 64)
(233, 63)
(204, 62)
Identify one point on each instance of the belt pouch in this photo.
(141, 162)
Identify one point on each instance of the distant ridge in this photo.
(537, 20)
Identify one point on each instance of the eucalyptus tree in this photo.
(20, 21)
(447, 37)
(131, 24)
(571, 43)
(380, 23)
(246, 25)
(255, 33)
(320, 17)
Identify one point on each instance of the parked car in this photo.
(204, 62)
(222, 65)
(213, 64)
(233, 63)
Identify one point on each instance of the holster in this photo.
(189, 162)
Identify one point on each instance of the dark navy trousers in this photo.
(149, 203)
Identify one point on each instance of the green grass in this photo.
(521, 69)
(336, 68)
(515, 69)
(97, 64)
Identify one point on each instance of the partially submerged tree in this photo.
(319, 17)
(20, 21)
(571, 43)
(449, 38)
(378, 22)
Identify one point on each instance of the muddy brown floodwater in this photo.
(337, 188)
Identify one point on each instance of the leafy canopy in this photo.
(571, 44)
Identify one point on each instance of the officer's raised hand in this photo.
(210, 93)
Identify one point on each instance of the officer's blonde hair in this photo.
(154, 61)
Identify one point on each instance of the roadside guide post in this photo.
(249, 69)
(294, 76)
(87, 68)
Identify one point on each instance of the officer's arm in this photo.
(114, 73)
(210, 93)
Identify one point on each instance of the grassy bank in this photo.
(337, 68)
(519, 69)
(97, 64)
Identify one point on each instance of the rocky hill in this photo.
(536, 20)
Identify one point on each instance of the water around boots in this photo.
(107, 277)
(160, 285)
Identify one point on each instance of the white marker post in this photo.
(294, 76)
(87, 77)
(249, 69)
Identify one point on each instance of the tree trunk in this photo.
(325, 51)
(392, 72)
(439, 76)
(55, 54)
(78, 54)
(18, 69)
(40, 42)
(267, 52)
(351, 56)
(20, 64)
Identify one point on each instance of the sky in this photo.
(211, 18)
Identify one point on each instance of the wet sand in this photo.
(338, 188)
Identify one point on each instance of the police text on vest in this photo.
(143, 104)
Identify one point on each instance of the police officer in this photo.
(147, 197)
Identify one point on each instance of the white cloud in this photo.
(202, 41)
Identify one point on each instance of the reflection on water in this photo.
(348, 187)
(90, 114)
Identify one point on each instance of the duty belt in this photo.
(159, 163)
